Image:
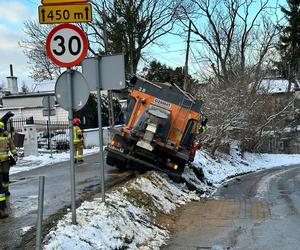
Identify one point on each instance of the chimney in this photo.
(12, 83)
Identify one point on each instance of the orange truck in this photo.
(161, 124)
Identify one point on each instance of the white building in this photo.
(25, 105)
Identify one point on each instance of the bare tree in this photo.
(126, 26)
(235, 37)
(237, 42)
(34, 48)
(131, 25)
(24, 88)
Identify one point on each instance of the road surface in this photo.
(24, 195)
(257, 211)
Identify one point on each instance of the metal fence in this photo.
(58, 130)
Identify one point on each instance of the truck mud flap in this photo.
(144, 163)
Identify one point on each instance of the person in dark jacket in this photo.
(6, 148)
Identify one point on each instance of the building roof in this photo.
(31, 94)
(276, 85)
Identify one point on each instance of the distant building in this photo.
(285, 136)
(25, 105)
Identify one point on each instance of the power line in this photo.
(168, 51)
(193, 54)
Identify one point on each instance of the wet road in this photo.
(256, 211)
(24, 194)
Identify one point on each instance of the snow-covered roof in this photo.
(44, 86)
(276, 85)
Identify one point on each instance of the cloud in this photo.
(11, 53)
(13, 11)
(9, 38)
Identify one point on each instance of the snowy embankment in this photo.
(130, 216)
(218, 169)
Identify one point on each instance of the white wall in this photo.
(22, 101)
(36, 113)
(91, 136)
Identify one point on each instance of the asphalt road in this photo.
(256, 211)
(24, 194)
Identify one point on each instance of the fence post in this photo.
(38, 245)
(48, 133)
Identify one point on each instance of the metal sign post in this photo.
(49, 127)
(104, 73)
(38, 243)
(72, 92)
(48, 103)
(67, 46)
(98, 86)
(71, 139)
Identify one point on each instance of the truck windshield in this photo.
(130, 106)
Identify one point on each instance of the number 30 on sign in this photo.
(66, 45)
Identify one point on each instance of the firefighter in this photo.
(6, 147)
(203, 125)
(78, 141)
(201, 132)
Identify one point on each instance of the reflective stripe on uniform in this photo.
(2, 197)
(6, 145)
(3, 157)
(5, 184)
(77, 133)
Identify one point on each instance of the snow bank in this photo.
(126, 220)
(220, 168)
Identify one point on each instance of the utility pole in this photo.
(111, 117)
(186, 71)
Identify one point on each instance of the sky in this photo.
(11, 32)
(13, 15)
(15, 12)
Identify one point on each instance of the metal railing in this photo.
(59, 131)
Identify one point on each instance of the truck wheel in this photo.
(121, 164)
(176, 178)
(110, 160)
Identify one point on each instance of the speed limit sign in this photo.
(66, 45)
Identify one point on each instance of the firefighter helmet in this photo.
(76, 121)
(2, 125)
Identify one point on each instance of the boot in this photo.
(3, 213)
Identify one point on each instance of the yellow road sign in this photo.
(71, 13)
(62, 1)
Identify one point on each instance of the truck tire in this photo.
(110, 160)
(121, 164)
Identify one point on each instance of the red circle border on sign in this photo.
(84, 40)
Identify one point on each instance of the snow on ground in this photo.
(36, 161)
(130, 217)
(220, 168)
